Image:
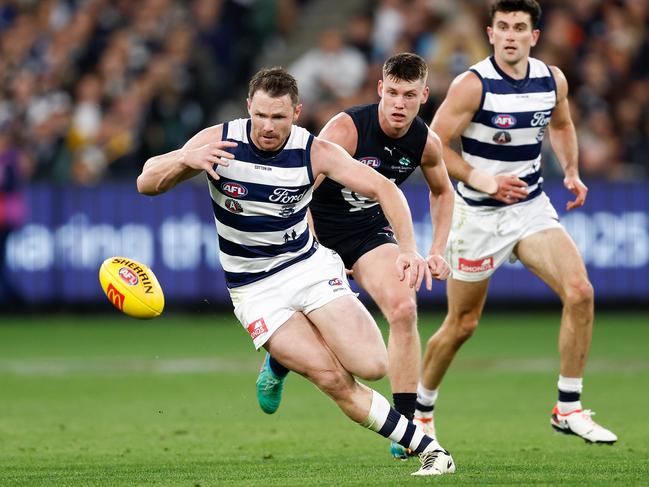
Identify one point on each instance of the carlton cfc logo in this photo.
(504, 121)
(235, 190)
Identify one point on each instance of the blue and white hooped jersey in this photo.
(505, 134)
(260, 206)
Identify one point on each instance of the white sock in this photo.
(426, 399)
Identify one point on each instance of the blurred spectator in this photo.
(94, 87)
(334, 69)
(14, 172)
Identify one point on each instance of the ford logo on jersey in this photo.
(504, 120)
(235, 190)
(373, 162)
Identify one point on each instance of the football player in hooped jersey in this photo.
(290, 293)
(500, 109)
(390, 138)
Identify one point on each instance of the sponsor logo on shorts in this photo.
(502, 137)
(466, 265)
(373, 162)
(115, 297)
(128, 276)
(233, 205)
(257, 327)
(234, 190)
(504, 120)
(336, 281)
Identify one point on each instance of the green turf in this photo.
(106, 401)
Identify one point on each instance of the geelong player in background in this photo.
(290, 293)
(390, 138)
(500, 110)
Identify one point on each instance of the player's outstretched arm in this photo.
(441, 204)
(451, 120)
(563, 138)
(200, 153)
(332, 161)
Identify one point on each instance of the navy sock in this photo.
(405, 402)
(278, 369)
(569, 396)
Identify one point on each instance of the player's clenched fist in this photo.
(439, 268)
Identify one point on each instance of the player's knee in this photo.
(374, 368)
(402, 315)
(580, 293)
(332, 382)
(464, 326)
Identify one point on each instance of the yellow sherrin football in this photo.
(132, 287)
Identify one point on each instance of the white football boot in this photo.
(435, 462)
(580, 423)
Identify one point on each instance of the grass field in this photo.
(107, 400)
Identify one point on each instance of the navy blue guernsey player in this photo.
(390, 138)
(501, 109)
(290, 293)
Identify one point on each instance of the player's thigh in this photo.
(351, 333)
(466, 300)
(553, 256)
(299, 346)
(376, 272)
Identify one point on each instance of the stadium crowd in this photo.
(91, 88)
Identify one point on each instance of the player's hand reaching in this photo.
(204, 157)
(414, 269)
(511, 189)
(439, 268)
(578, 188)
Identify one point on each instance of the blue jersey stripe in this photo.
(495, 203)
(530, 179)
(261, 192)
(257, 223)
(239, 250)
(515, 153)
(236, 279)
(532, 85)
(523, 119)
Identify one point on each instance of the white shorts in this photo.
(483, 238)
(263, 306)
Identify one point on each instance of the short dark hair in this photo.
(274, 81)
(405, 66)
(528, 6)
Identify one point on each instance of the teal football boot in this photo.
(398, 452)
(269, 388)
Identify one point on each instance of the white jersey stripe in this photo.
(486, 134)
(249, 172)
(232, 263)
(531, 102)
(254, 239)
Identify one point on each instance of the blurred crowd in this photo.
(602, 46)
(91, 88)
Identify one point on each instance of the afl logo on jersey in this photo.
(373, 162)
(504, 120)
(235, 190)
